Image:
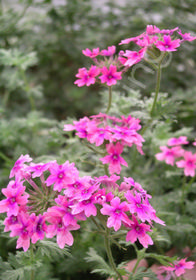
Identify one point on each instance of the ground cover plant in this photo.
(95, 187)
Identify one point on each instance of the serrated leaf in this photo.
(164, 260)
(52, 250)
(99, 263)
(140, 275)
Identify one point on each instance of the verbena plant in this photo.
(48, 200)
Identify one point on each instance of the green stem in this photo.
(158, 82)
(32, 258)
(136, 265)
(8, 160)
(6, 98)
(106, 169)
(96, 223)
(27, 89)
(157, 88)
(109, 100)
(185, 188)
(109, 254)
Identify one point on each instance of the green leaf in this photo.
(164, 260)
(52, 250)
(99, 263)
(139, 275)
(14, 57)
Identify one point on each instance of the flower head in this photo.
(110, 76)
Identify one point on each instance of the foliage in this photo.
(40, 52)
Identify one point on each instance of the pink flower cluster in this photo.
(174, 271)
(112, 67)
(112, 132)
(48, 199)
(175, 154)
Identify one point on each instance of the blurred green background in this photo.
(41, 45)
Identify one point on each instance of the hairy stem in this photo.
(109, 254)
(158, 82)
(27, 89)
(109, 100)
(156, 89)
(32, 259)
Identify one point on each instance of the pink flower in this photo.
(65, 209)
(134, 57)
(168, 45)
(138, 231)
(152, 29)
(139, 206)
(87, 77)
(189, 164)
(182, 140)
(39, 227)
(181, 265)
(19, 166)
(91, 54)
(114, 159)
(168, 31)
(108, 183)
(97, 135)
(24, 230)
(10, 222)
(85, 205)
(147, 41)
(110, 76)
(16, 197)
(178, 268)
(132, 39)
(187, 36)
(77, 186)
(61, 175)
(109, 52)
(169, 154)
(38, 169)
(194, 143)
(58, 228)
(116, 211)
